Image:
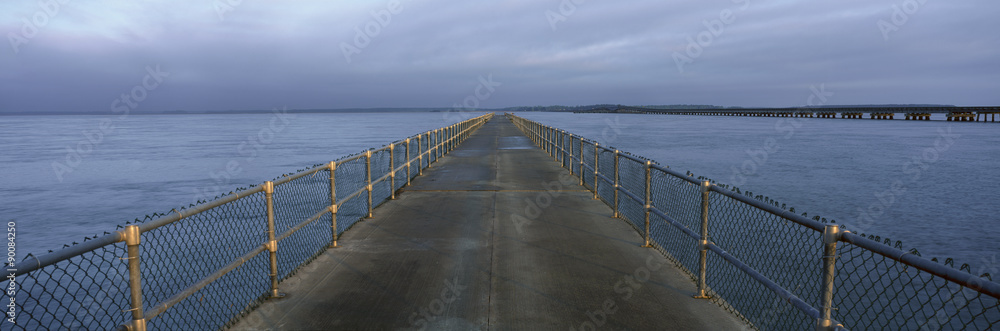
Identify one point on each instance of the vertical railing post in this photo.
(581, 161)
(567, 150)
(408, 162)
(553, 136)
(272, 245)
(597, 156)
(548, 140)
(649, 198)
(562, 148)
(333, 204)
(558, 142)
(536, 134)
(831, 234)
(544, 138)
(555, 143)
(392, 171)
(570, 161)
(132, 240)
(706, 187)
(420, 156)
(368, 176)
(617, 183)
(541, 138)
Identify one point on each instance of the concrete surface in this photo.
(493, 236)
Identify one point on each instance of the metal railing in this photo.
(205, 266)
(769, 266)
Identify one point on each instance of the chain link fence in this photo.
(768, 265)
(208, 265)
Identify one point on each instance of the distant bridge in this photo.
(960, 114)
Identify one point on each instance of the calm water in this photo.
(155, 163)
(944, 202)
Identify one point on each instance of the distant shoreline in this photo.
(241, 112)
(555, 108)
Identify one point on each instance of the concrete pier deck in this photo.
(494, 236)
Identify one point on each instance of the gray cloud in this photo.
(273, 54)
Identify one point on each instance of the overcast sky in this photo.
(222, 55)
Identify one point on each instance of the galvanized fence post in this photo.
(534, 132)
(132, 240)
(552, 143)
(537, 134)
(420, 156)
(581, 161)
(560, 153)
(703, 243)
(649, 198)
(333, 203)
(272, 245)
(831, 234)
(617, 183)
(597, 156)
(548, 141)
(392, 171)
(569, 162)
(408, 162)
(543, 133)
(545, 139)
(562, 147)
(368, 167)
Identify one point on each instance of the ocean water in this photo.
(70, 177)
(931, 184)
(63, 181)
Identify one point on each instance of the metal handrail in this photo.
(532, 129)
(272, 246)
(445, 140)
